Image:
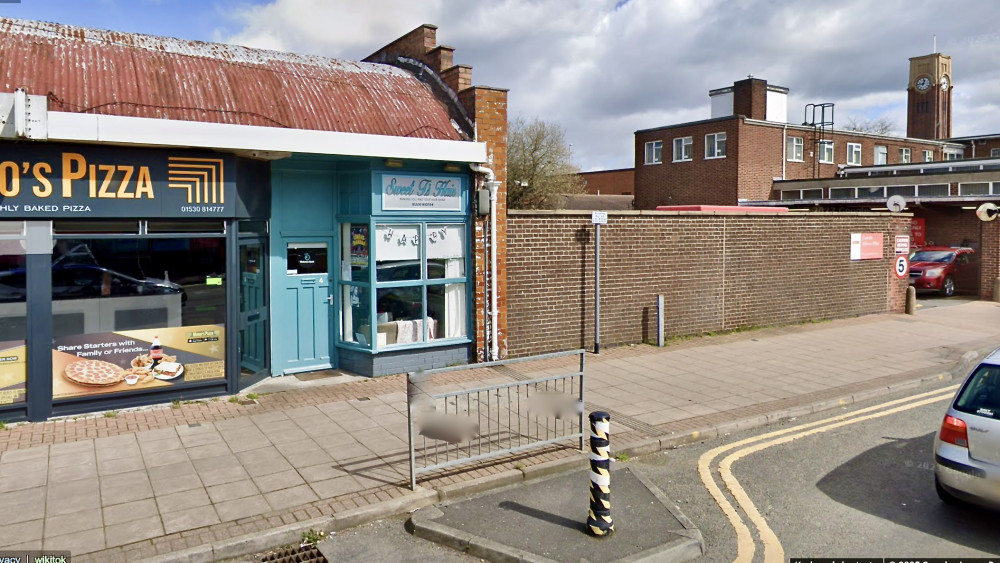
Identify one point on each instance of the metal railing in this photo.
(469, 425)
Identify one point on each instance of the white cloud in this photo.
(603, 69)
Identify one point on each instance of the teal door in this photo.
(306, 305)
(253, 311)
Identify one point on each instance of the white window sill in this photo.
(795, 160)
(714, 157)
(650, 163)
(683, 160)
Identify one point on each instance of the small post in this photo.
(597, 289)
(911, 300)
(659, 320)
(599, 522)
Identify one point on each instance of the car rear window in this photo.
(981, 394)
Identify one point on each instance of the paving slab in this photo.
(546, 521)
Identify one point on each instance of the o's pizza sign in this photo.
(42, 181)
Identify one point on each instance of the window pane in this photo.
(402, 307)
(114, 300)
(445, 251)
(974, 188)
(13, 323)
(306, 258)
(397, 252)
(446, 309)
(356, 243)
(356, 315)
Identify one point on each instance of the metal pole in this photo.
(597, 291)
(659, 321)
(583, 355)
(411, 393)
(599, 522)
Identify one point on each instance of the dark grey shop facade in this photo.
(106, 250)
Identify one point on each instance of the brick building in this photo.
(747, 144)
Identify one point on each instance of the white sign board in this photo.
(902, 244)
(421, 193)
(599, 217)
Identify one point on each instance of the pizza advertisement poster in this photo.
(13, 371)
(113, 362)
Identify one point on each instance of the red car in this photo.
(944, 269)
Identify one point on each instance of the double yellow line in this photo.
(773, 552)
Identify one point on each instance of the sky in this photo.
(602, 69)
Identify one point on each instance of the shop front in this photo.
(128, 276)
(371, 266)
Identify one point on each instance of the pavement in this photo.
(212, 480)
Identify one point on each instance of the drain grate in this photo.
(304, 554)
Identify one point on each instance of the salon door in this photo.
(305, 308)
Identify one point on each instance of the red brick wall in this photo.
(488, 106)
(609, 182)
(981, 148)
(698, 181)
(716, 271)
(989, 259)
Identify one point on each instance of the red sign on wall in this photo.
(867, 246)
(918, 232)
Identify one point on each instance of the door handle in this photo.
(329, 300)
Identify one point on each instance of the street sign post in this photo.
(598, 218)
(901, 267)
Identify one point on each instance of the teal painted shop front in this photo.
(369, 266)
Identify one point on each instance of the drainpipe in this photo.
(492, 185)
(784, 149)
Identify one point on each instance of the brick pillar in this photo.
(989, 259)
(488, 108)
(416, 44)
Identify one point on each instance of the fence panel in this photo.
(469, 425)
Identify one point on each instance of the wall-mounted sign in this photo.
(902, 244)
(421, 193)
(62, 181)
(866, 246)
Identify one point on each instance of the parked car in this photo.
(967, 448)
(84, 281)
(944, 269)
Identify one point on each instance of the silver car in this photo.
(967, 448)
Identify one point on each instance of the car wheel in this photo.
(944, 495)
(948, 286)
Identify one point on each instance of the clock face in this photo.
(923, 84)
(944, 83)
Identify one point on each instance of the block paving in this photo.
(151, 481)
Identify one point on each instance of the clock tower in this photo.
(928, 108)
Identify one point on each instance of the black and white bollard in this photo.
(599, 521)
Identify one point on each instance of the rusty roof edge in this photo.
(140, 131)
(228, 52)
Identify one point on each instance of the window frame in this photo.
(928, 156)
(714, 145)
(795, 149)
(825, 152)
(371, 286)
(883, 152)
(995, 153)
(854, 154)
(651, 157)
(905, 155)
(687, 149)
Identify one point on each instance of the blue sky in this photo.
(602, 69)
(190, 19)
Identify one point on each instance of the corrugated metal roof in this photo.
(107, 72)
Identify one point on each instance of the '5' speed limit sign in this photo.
(901, 267)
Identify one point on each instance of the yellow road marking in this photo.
(744, 540)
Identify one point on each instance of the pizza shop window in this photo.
(119, 301)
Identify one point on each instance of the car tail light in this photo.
(954, 431)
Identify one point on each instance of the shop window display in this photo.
(114, 298)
